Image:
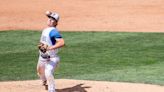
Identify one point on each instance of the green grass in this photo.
(106, 56)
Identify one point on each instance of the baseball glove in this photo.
(42, 47)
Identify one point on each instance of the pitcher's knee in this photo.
(48, 73)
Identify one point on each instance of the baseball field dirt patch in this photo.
(83, 15)
(88, 15)
(64, 85)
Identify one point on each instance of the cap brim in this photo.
(52, 18)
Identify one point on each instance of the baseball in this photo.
(48, 13)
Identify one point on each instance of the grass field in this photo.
(106, 56)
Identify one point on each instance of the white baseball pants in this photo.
(46, 68)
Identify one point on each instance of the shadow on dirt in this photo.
(77, 88)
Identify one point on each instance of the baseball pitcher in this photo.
(50, 41)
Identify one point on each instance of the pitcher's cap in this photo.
(53, 15)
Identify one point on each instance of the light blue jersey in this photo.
(49, 37)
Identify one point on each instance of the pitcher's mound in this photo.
(65, 85)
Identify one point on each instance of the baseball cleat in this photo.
(44, 83)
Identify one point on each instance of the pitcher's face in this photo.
(51, 22)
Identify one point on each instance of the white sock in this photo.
(42, 77)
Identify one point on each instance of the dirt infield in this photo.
(83, 15)
(64, 85)
(88, 15)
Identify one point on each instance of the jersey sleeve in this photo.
(55, 34)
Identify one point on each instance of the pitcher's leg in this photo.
(49, 70)
(41, 71)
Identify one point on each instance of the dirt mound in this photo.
(65, 85)
(89, 15)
